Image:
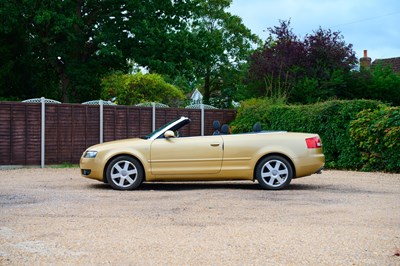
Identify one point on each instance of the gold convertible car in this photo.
(271, 158)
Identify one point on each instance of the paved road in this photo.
(53, 216)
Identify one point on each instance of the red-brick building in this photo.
(394, 62)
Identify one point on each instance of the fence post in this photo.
(43, 127)
(202, 119)
(153, 104)
(101, 120)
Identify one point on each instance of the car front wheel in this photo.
(274, 172)
(124, 173)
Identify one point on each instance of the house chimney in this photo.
(365, 62)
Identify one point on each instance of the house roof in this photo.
(394, 63)
(196, 95)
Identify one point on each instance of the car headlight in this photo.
(90, 154)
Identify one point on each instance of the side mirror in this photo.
(169, 134)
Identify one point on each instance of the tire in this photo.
(274, 172)
(124, 173)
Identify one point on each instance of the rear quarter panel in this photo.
(243, 151)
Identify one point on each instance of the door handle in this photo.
(214, 144)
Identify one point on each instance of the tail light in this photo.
(314, 143)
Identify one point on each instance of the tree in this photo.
(327, 52)
(18, 63)
(76, 42)
(208, 52)
(378, 83)
(133, 89)
(221, 43)
(68, 46)
(330, 61)
(290, 64)
(275, 67)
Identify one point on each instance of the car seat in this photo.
(225, 129)
(257, 127)
(216, 126)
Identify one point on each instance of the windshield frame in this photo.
(173, 124)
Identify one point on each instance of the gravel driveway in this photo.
(54, 216)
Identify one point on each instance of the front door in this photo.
(186, 156)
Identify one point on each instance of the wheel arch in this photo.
(274, 154)
(118, 155)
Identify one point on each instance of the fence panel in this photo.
(5, 134)
(71, 128)
(33, 134)
(18, 133)
(79, 137)
(51, 133)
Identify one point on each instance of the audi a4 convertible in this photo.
(272, 158)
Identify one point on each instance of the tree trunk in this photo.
(207, 87)
(64, 82)
(60, 68)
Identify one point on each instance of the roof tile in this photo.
(394, 63)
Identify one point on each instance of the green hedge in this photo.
(377, 133)
(334, 121)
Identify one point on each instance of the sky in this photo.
(366, 24)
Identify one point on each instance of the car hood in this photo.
(116, 144)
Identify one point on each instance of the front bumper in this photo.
(91, 168)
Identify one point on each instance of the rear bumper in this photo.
(309, 165)
(320, 170)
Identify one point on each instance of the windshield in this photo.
(159, 129)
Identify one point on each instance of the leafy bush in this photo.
(138, 88)
(331, 120)
(377, 133)
(250, 112)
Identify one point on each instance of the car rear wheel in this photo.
(124, 173)
(274, 172)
